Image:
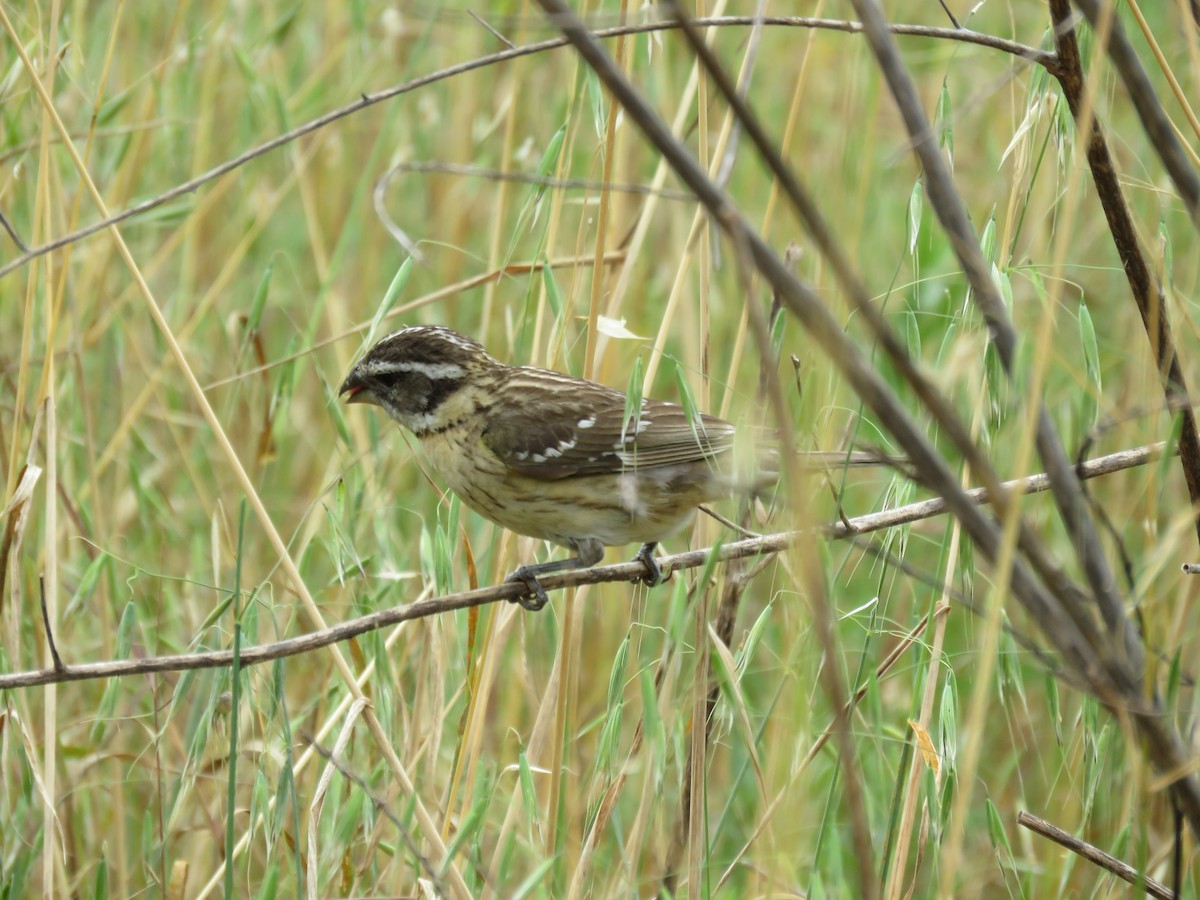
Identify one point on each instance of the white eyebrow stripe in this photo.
(432, 371)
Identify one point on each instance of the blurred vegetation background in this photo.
(557, 754)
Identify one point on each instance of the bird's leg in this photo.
(654, 573)
(588, 552)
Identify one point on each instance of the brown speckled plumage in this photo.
(542, 453)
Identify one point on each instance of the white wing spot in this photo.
(586, 423)
(628, 490)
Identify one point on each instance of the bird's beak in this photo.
(355, 391)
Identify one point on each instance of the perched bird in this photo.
(545, 454)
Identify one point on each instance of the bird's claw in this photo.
(537, 598)
(653, 576)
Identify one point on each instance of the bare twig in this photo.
(1149, 110)
(1064, 612)
(567, 184)
(1146, 289)
(933, 399)
(58, 663)
(18, 149)
(952, 213)
(379, 195)
(772, 543)
(370, 99)
(492, 31)
(1094, 854)
(511, 270)
(1116, 665)
(12, 234)
(949, 15)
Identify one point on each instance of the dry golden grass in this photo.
(196, 468)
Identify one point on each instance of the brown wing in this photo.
(564, 426)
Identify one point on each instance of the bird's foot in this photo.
(537, 598)
(653, 576)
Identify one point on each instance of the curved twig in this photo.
(628, 571)
(400, 236)
(1013, 48)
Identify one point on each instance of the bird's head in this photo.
(419, 375)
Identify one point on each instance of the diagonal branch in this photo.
(936, 402)
(1075, 636)
(344, 631)
(1147, 290)
(1134, 876)
(1062, 614)
(1149, 110)
(955, 221)
(1122, 679)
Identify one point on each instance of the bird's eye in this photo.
(411, 383)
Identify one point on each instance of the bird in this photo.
(547, 454)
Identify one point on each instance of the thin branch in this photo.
(379, 195)
(933, 399)
(1095, 855)
(492, 31)
(1147, 291)
(58, 663)
(1117, 666)
(510, 270)
(1121, 662)
(628, 571)
(566, 184)
(1072, 631)
(381, 805)
(1061, 607)
(12, 234)
(949, 15)
(120, 131)
(1032, 54)
(1149, 110)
